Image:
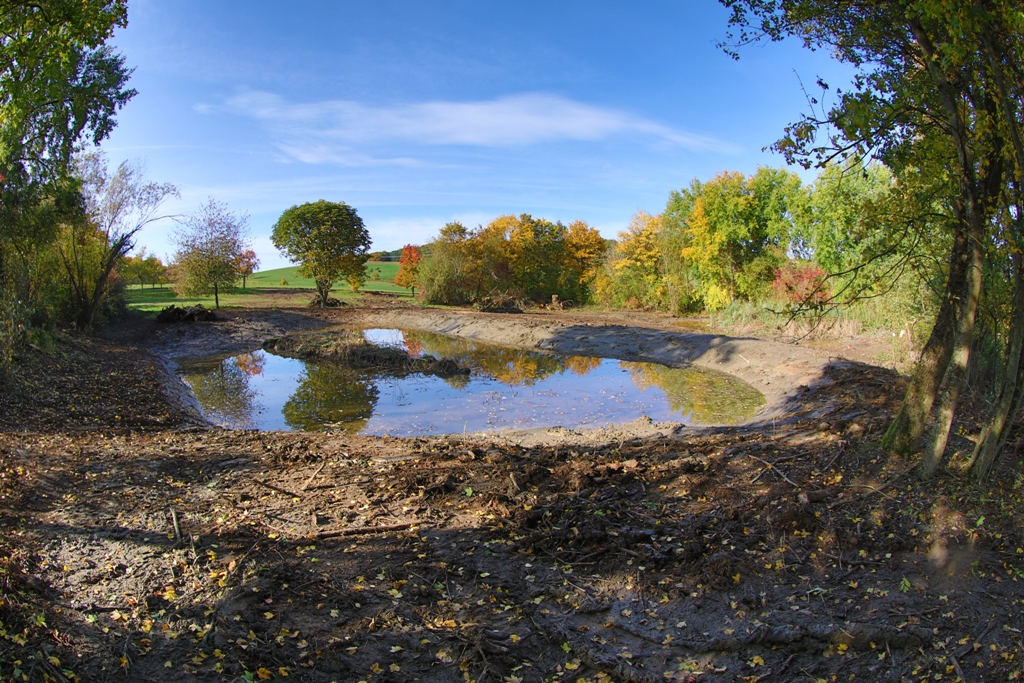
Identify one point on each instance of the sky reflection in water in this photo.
(508, 388)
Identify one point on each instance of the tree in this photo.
(733, 231)
(117, 206)
(939, 87)
(209, 242)
(60, 85)
(145, 269)
(408, 267)
(512, 256)
(247, 264)
(445, 275)
(633, 276)
(329, 242)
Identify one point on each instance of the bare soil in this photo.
(139, 544)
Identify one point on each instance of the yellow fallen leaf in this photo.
(757, 661)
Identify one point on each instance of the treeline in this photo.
(766, 239)
(511, 257)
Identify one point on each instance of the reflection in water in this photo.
(250, 363)
(515, 367)
(704, 397)
(224, 393)
(331, 395)
(508, 388)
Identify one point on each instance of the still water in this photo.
(508, 388)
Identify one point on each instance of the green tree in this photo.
(143, 268)
(446, 270)
(733, 232)
(209, 244)
(939, 87)
(60, 86)
(329, 242)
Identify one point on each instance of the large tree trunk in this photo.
(961, 357)
(906, 430)
(993, 437)
(323, 291)
(954, 326)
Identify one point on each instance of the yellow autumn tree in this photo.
(632, 277)
(706, 253)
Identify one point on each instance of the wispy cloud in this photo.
(332, 131)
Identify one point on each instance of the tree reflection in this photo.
(706, 397)
(581, 365)
(224, 394)
(413, 346)
(331, 395)
(251, 363)
(516, 367)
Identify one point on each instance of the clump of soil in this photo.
(142, 550)
(185, 314)
(350, 348)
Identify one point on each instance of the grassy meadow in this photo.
(277, 288)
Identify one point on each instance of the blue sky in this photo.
(422, 112)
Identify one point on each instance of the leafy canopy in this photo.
(328, 240)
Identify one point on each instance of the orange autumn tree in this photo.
(408, 267)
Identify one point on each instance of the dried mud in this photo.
(140, 545)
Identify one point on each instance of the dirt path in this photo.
(151, 550)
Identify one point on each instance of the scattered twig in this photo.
(777, 471)
(842, 447)
(177, 528)
(276, 489)
(355, 531)
(313, 476)
(956, 665)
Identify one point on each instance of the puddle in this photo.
(508, 388)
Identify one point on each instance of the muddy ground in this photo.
(139, 544)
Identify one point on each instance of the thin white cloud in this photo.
(328, 132)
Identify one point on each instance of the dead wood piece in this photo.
(774, 469)
(808, 497)
(276, 489)
(177, 527)
(355, 531)
(313, 476)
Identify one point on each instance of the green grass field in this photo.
(266, 290)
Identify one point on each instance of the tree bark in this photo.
(906, 430)
(954, 326)
(957, 371)
(993, 437)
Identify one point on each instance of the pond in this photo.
(507, 388)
